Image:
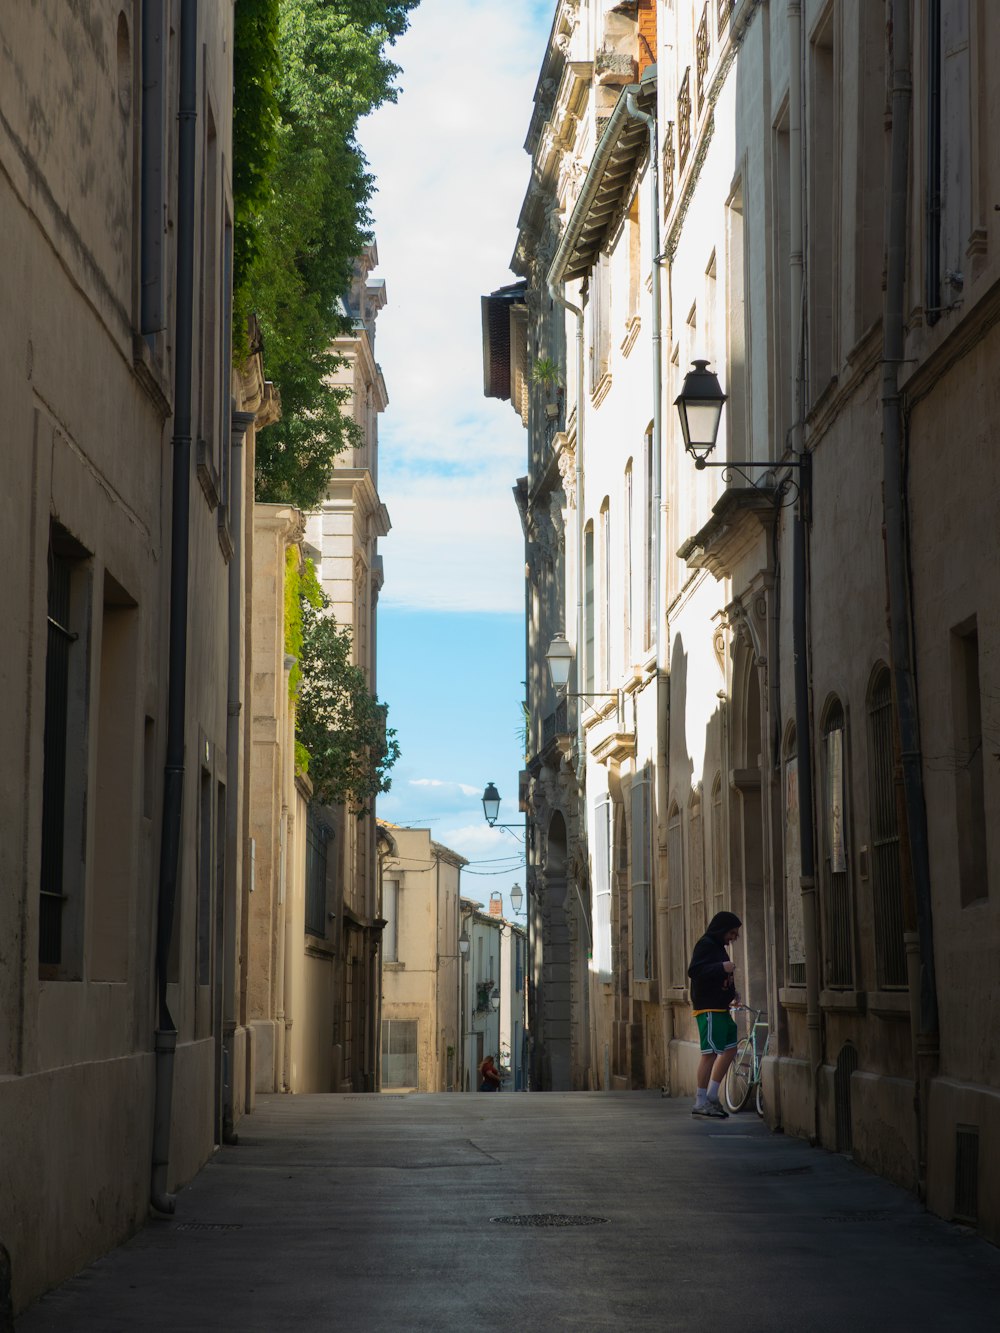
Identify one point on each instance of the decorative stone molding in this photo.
(567, 471)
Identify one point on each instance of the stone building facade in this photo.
(122, 488)
(786, 669)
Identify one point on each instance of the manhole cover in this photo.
(549, 1220)
(209, 1226)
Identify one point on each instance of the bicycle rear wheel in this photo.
(759, 1100)
(739, 1078)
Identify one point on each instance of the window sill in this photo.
(844, 1001)
(678, 996)
(892, 1004)
(393, 967)
(315, 948)
(793, 997)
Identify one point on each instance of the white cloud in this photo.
(447, 786)
(451, 171)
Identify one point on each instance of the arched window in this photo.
(606, 594)
(794, 928)
(887, 896)
(696, 866)
(720, 873)
(675, 896)
(588, 609)
(839, 953)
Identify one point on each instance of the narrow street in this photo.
(381, 1212)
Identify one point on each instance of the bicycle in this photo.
(743, 1075)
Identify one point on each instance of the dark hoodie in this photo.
(711, 985)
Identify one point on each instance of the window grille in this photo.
(399, 1054)
(696, 871)
(701, 57)
(839, 954)
(642, 932)
(602, 888)
(684, 118)
(588, 609)
(64, 744)
(794, 921)
(318, 836)
(720, 898)
(890, 953)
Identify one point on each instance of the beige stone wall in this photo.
(87, 444)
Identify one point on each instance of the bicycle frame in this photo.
(744, 1073)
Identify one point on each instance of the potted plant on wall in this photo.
(547, 373)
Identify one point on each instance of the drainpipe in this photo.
(659, 508)
(557, 296)
(800, 591)
(165, 1040)
(241, 421)
(900, 626)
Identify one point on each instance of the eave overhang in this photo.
(602, 198)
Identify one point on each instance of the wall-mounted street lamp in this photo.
(463, 943)
(559, 660)
(495, 999)
(516, 898)
(699, 406)
(491, 808)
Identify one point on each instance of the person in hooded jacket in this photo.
(713, 990)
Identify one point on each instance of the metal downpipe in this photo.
(173, 788)
(800, 589)
(659, 546)
(900, 628)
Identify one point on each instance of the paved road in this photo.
(375, 1213)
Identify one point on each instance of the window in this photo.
(649, 544)
(675, 896)
(599, 302)
(642, 888)
(606, 594)
(794, 924)
(588, 609)
(954, 190)
(64, 773)
(720, 877)
(970, 795)
(781, 318)
(630, 649)
(206, 880)
(737, 414)
(518, 964)
(871, 169)
(890, 954)
(602, 888)
(824, 202)
(399, 1054)
(152, 203)
(318, 836)
(115, 798)
(696, 864)
(839, 953)
(390, 911)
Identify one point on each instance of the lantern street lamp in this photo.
(495, 999)
(516, 898)
(699, 406)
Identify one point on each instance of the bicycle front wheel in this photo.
(739, 1078)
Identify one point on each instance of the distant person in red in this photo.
(489, 1076)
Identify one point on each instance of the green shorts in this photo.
(717, 1031)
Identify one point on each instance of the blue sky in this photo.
(452, 171)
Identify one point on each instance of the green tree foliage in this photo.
(304, 237)
(342, 741)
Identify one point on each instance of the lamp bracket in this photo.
(786, 492)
